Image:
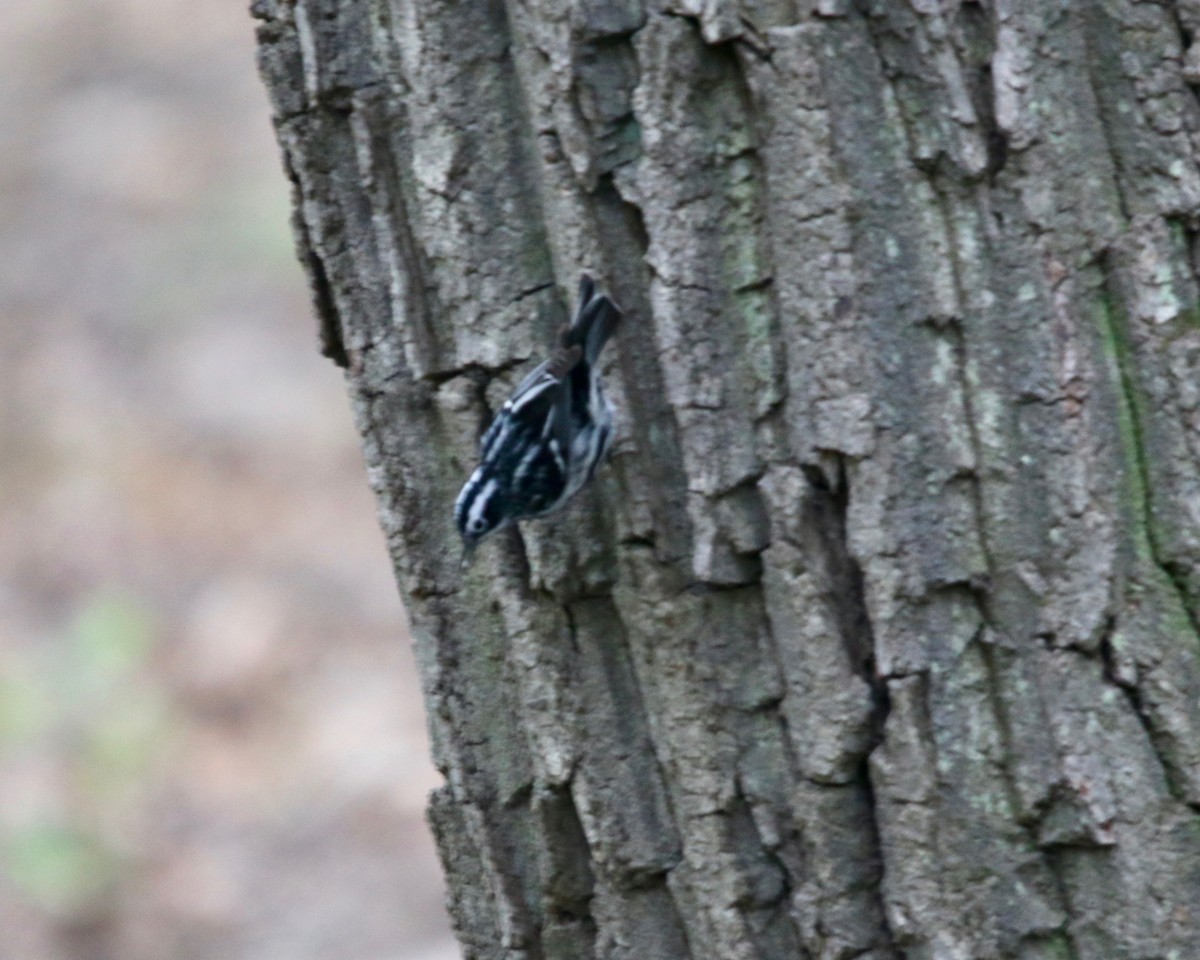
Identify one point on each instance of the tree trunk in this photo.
(878, 637)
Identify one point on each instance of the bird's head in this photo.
(479, 511)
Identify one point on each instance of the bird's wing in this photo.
(535, 397)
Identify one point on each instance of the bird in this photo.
(550, 435)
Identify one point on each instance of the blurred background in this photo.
(211, 735)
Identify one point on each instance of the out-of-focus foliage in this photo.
(88, 700)
(211, 739)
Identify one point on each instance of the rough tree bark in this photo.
(879, 636)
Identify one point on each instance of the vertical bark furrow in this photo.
(384, 149)
(688, 655)
(470, 902)
(1164, 667)
(960, 777)
(477, 189)
(597, 226)
(642, 922)
(833, 708)
(920, 50)
(813, 595)
(699, 195)
(625, 807)
(604, 805)
(655, 492)
(1151, 120)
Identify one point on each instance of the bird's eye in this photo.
(478, 524)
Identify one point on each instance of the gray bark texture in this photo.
(878, 637)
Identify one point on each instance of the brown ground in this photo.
(211, 741)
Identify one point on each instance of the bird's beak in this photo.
(468, 552)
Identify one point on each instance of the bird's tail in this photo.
(595, 322)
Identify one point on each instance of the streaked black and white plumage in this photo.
(550, 435)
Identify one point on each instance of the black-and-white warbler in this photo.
(550, 435)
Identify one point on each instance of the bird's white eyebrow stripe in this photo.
(468, 488)
(480, 503)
